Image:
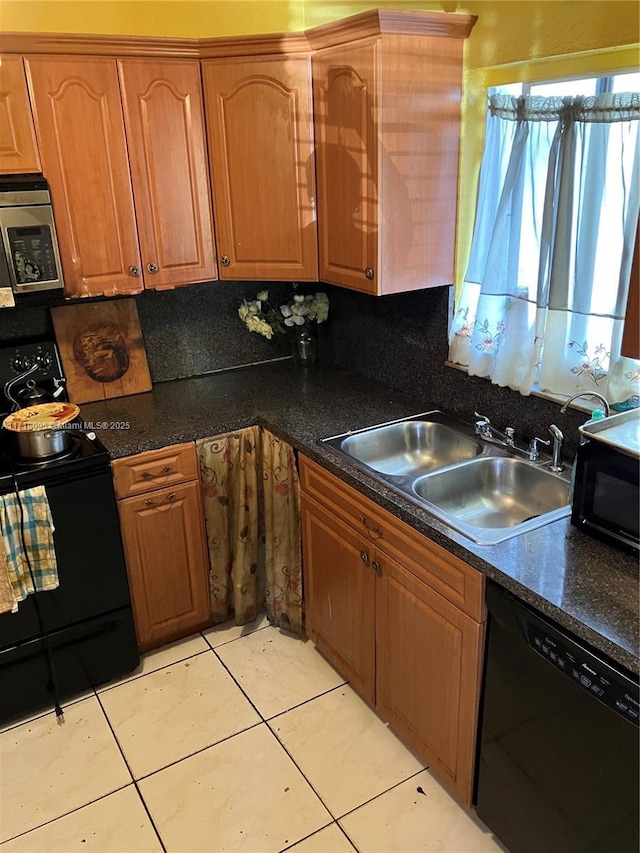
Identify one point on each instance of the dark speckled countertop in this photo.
(586, 586)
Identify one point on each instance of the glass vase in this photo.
(304, 346)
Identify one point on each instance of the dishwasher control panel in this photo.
(613, 690)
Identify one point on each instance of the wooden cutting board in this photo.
(102, 350)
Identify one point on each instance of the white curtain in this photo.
(545, 293)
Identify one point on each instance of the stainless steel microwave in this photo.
(606, 496)
(29, 255)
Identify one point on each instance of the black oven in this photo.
(606, 498)
(65, 640)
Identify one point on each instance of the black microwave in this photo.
(606, 497)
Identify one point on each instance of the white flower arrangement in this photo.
(259, 315)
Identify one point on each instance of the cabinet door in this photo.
(18, 151)
(261, 152)
(164, 544)
(428, 657)
(165, 131)
(80, 130)
(339, 592)
(346, 103)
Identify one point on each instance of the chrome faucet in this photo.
(607, 408)
(484, 428)
(556, 454)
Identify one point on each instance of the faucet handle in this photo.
(534, 449)
(482, 425)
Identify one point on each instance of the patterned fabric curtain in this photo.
(252, 514)
(283, 557)
(545, 291)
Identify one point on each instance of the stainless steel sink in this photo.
(410, 447)
(492, 495)
(487, 492)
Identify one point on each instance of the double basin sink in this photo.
(487, 491)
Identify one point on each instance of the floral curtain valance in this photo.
(545, 292)
(606, 107)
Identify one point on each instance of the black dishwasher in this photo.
(558, 763)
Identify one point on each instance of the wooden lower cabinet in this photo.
(406, 648)
(428, 656)
(339, 585)
(165, 550)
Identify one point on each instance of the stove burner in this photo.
(22, 464)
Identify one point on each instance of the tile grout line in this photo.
(241, 637)
(197, 752)
(133, 779)
(267, 720)
(310, 835)
(269, 729)
(306, 701)
(381, 794)
(39, 715)
(65, 814)
(131, 678)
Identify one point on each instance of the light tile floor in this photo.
(236, 739)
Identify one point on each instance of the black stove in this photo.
(87, 453)
(85, 626)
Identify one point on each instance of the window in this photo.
(543, 302)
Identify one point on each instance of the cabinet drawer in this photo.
(155, 469)
(452, 578)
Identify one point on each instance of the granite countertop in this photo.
(584, 585)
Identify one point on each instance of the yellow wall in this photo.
(177, 18)
(507, 30)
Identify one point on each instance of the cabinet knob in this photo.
(167, 469)
(364, 557)
(369, 273)
(224, 260)
(153, 268)
(134, 271)
(170, 497)
(147, 475)
(149, 502)
(377, 568)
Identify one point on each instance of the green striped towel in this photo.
(38, 538)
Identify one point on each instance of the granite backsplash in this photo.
(400, 340)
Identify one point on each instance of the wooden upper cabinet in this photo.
(78, 116)
(259, 121)
(165, 131)
(18, 152)
(347, 157)
(387, 114)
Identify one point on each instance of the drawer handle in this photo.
(147, 475)
(149, 502)
(170, 497)
(364, 557)
(377, 568)
(372, 529)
